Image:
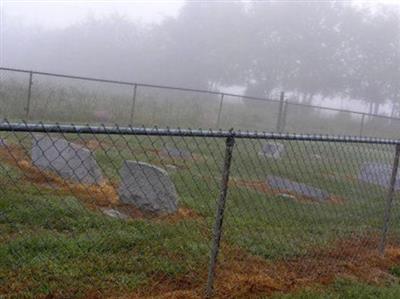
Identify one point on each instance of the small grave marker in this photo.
(283, 184)
(272, 150)
(378, 174)
(173, 152)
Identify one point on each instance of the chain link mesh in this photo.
(300, 209)
(51, 97)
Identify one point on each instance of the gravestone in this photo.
(272, 150)
(378, 174)
(68, 160)
(172, 152)
(283, 184)
(147, 187)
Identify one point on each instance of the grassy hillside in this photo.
(55, 240)
(77, 101)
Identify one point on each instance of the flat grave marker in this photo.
(283, 184)
(377, 174)
(173, 152)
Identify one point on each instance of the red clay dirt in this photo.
(93, 196)
(240, 275)
(262, 187)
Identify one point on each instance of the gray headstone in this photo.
(147, 187)
(283, 184)
(272, 150)
(68, 160)
(378, 174)
(175, 153)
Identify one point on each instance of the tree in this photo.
(374, 56)
(201, 46)
(295, 47)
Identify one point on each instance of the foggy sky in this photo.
(63, 13)
(60, 14)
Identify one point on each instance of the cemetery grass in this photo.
(55, 248)
(268, 223)
(346, 289)
(63, 100)
(55, 245)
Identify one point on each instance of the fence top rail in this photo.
(137, 84)
(6, 126)
(194, 90)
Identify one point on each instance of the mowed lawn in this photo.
(52, 243)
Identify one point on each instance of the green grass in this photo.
(66, 100)
(54, 245)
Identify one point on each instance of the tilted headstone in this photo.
(283, 184)
(378, 174)
(272, 150)
(147, 187)
(70, 161)
(173, 152)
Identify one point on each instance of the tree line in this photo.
(326, 49)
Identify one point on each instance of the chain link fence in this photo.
(168, 213)
(63, 98)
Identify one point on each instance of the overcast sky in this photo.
(61, 13)
(56, 14)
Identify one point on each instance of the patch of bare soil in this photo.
(93, 196)
(181, 214)
(240, 275)
(262, 187)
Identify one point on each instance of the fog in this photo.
(333, 53)
(61, 14)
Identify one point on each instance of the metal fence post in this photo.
(362, 124)
(389, 200)
(220, 111)
(133, 102)
(28, 102)
(284, 114)
(219, 217)
(279, 119)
